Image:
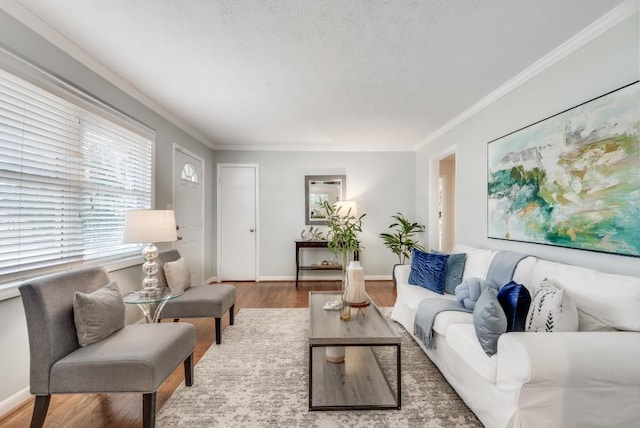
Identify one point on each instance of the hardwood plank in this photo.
(125, 410)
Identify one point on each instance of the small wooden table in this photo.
(311, 244)
(359, 382)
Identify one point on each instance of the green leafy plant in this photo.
(342, 238)
(401, 241)
(343, 232)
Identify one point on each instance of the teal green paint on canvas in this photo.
(572, 180)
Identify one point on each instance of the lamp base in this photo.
(150, 269)
(150, 293)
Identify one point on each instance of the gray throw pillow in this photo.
(469, 291)
(99, 314)
(489, 320)
(455, 269)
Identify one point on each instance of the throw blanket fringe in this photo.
(426, 315)
(503, 266)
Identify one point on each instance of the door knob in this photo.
(252, 230)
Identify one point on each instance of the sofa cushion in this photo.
(99, 314)
(515, 301)
(446, 318)
(595, 293)
(552, 309)
(455, 269)
(428, 270)
(477, 261)
(489, 320)
(463, 341)
(178, 274)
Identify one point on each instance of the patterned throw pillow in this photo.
(552, 310)
(428, 270)
(178, 274)
(99, 314)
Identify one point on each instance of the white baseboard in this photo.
(14, 401)
(323, 278)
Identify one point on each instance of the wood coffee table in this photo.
(359, 382)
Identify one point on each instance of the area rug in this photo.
(258, 377)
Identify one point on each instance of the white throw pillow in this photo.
(551, 310)
(178, 274)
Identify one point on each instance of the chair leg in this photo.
(218, 331)
(231, 314)
(149, 410)
(188, 370)
(40, 408)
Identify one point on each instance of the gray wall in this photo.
(14, 365)
(608, 62)
(382, 183)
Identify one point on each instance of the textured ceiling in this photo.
(316, 74)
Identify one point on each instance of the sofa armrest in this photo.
(569, 359)
(402, 273)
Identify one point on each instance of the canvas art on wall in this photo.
(573, 179)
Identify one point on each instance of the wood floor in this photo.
(125, 410)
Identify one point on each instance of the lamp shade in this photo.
(146, 226)
(347, 208)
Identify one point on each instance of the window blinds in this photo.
(67, 175)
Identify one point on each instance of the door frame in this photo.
(434, 194)
(178, 147)
(256, 169)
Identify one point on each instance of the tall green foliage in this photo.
(402, 240)
(343, 231)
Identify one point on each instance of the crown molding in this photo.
(40, 27)
(597, 28)
(314, 147)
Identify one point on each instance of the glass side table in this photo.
(151, 305)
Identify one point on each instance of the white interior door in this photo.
(237, 222)
(188, 205)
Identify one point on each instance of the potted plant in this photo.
(401, 240)
(342, 238)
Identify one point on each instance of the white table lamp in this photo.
(149, 227)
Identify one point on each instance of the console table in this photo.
(311, 244)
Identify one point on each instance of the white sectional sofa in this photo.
(589, 378)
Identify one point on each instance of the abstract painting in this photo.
(573, 179)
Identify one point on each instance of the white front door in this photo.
(188, 205)
(237, 222)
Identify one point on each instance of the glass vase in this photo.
(345, 311)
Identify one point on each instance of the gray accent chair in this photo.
(137, 358)
(197, 301)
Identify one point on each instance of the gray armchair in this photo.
(199, 300)
(137, 358)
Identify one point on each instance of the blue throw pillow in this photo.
(489, 320)
(428, 270)
(515, 300)
(455, 269)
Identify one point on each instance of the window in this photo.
(67, 175)
(189, 173)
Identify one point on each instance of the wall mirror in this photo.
(317, 190)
